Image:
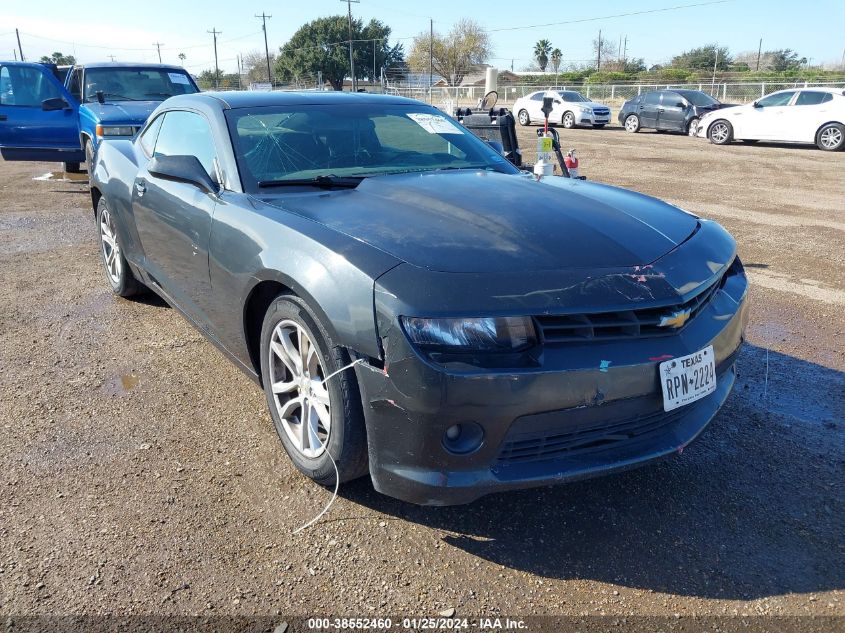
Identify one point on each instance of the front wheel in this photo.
(89, 159)
(831, 137)
(568, 120)
(632, 123)
(523, 117)
(720, 133)
(317, 415)
(118, 273)
(693, 124)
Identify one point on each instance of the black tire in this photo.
(89, 158)
(720, 132)
(692, 125)
(347, 438)
(123, 283)
(631, 123)
(831, 137)
(568, 120)
(598, 126)
(523, 117)
(72, 168)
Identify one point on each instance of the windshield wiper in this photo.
(323, 182)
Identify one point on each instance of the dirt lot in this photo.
(140, 472)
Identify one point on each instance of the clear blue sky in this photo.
(128, 30)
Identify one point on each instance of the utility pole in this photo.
(158, 48)
(15, 53)
(625, 51)
(759, 53)
(598, 56)
(374, 63)
(430, 57)
(215, 33)
(715, 64)
(842, 64)
(351, 60)
(266, 48)
(238, 57)
(20, 50)
(111, 57)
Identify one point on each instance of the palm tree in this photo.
(541, 52)
(182, 58)
(556, 58)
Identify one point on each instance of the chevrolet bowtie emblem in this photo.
(675, 320)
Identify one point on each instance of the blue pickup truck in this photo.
(43, 119)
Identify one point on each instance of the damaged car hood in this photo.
(481, 221)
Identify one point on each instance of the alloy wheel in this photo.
(111, 249)
(632, 124)
(719, 132)
(693, 125)
(831, 137)
(297, 381)
(568, 120)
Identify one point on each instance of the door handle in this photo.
(661, 110)
(140, 187)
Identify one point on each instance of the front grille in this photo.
(554, 444)
(620, 324)
(601, 112)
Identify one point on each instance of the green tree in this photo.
(541, 53)
(59, 59)
(556, 58)
(321, 47)
(453, 55)
(704, 58)
(784, 59)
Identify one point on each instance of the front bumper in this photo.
(410, 403)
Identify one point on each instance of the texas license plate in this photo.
(688, 378)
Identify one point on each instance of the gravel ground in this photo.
(140, 472)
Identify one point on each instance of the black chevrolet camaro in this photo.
(414, 306)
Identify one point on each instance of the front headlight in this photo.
(585, 110)
(115, 130)
(486, 334)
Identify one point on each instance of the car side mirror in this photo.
(497, 146)
(680, 104)
(187, 169)
(56, 103)
(756, 104)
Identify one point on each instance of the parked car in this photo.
(669, 110)
(570, 109)
(805, 115)
(44, 120)
(415, 306)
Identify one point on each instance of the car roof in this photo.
(257, 99)
(834, 91)
(130, 65)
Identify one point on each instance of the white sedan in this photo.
(570, 108)
(800, 115)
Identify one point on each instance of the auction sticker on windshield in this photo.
(688, 378)
(178, 78)
(434, 123)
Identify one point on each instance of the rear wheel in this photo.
(632, 123)
(568, 120)
(721, 132)
(118, 273)
(831, 137)
(523, 117)
(318, 416)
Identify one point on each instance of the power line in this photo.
(608, 17)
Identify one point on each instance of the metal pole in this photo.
(266, 48)
(239, 71)
(373, 81)
(158, 48)
(20, 50)
(598, 56)
(15, 53)
(430, 57)
(215, 33)
(759, 52)
(715, 64)
(351, 60)
(625, 51)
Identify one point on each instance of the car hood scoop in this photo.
(481, 221)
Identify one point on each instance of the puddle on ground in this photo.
(63, 176)
(121, 385)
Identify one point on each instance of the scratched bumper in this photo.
(409, 405)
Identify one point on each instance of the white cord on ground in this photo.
(336, 472)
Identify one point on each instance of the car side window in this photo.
(148, 138)
(538, 96)
(26, 86)
(777, 99)
(812, 97)
(651, 98)
(185, 133)
(74, 86)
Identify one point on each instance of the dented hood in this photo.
(480, 221)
